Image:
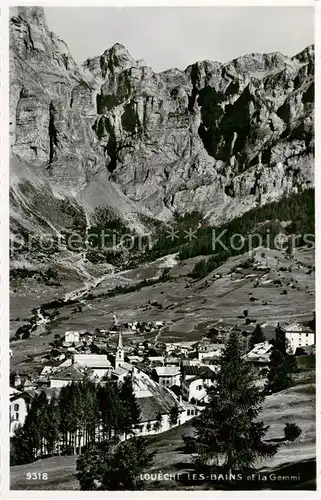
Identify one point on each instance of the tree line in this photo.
(82, 414)
(263, 221)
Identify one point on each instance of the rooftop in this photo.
(297, 327)
(70, 373)
(167, 371)
(92, 360)
(119, 371)
(157, 400)
(198, 371)
(260, 352)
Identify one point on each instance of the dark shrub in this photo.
(189, 443)
(291, 432)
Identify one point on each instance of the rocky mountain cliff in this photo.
(218, 138)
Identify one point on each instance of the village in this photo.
(164, 375)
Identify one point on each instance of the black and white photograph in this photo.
(162, 331)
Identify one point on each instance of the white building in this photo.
(209, 350)
(97, 363)
(195, 382)
(167, 376)
(71, 337)
(70, 374)
(18, 409)
(297, 336)
(155, 403)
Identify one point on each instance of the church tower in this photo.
(119, 359)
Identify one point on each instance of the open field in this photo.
(292, 405)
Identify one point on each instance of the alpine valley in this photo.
(110, 143)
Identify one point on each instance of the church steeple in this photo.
(119, 358)
(120, 341)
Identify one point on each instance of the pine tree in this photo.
(52, 423)
(88, 412)
(173, 415)
(70, 398)
(280, 371)
(110, 409)
(227, 431)
(257, 336)
(130, 408)
(23, 445)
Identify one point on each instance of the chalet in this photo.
(187, 347)
(134, 359)
(259, 357)
(209, 350)
(158, 359)
(195, 382)
(166, 375)
(155, 403)
(296, 335)
(70, 374)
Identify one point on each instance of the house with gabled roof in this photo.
(70, 374)
(166, 375)
(155, 403)
(195, 381)
(297, 335)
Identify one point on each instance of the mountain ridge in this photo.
(111, 132)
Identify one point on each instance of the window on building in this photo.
(192, 412)
(188, 412)
(17, 416)
(16, 407)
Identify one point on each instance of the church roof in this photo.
(119, 371)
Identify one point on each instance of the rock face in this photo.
(218, 138)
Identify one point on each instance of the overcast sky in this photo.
(167, 37)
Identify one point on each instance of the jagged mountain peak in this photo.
(217, 137)
(306, 55)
